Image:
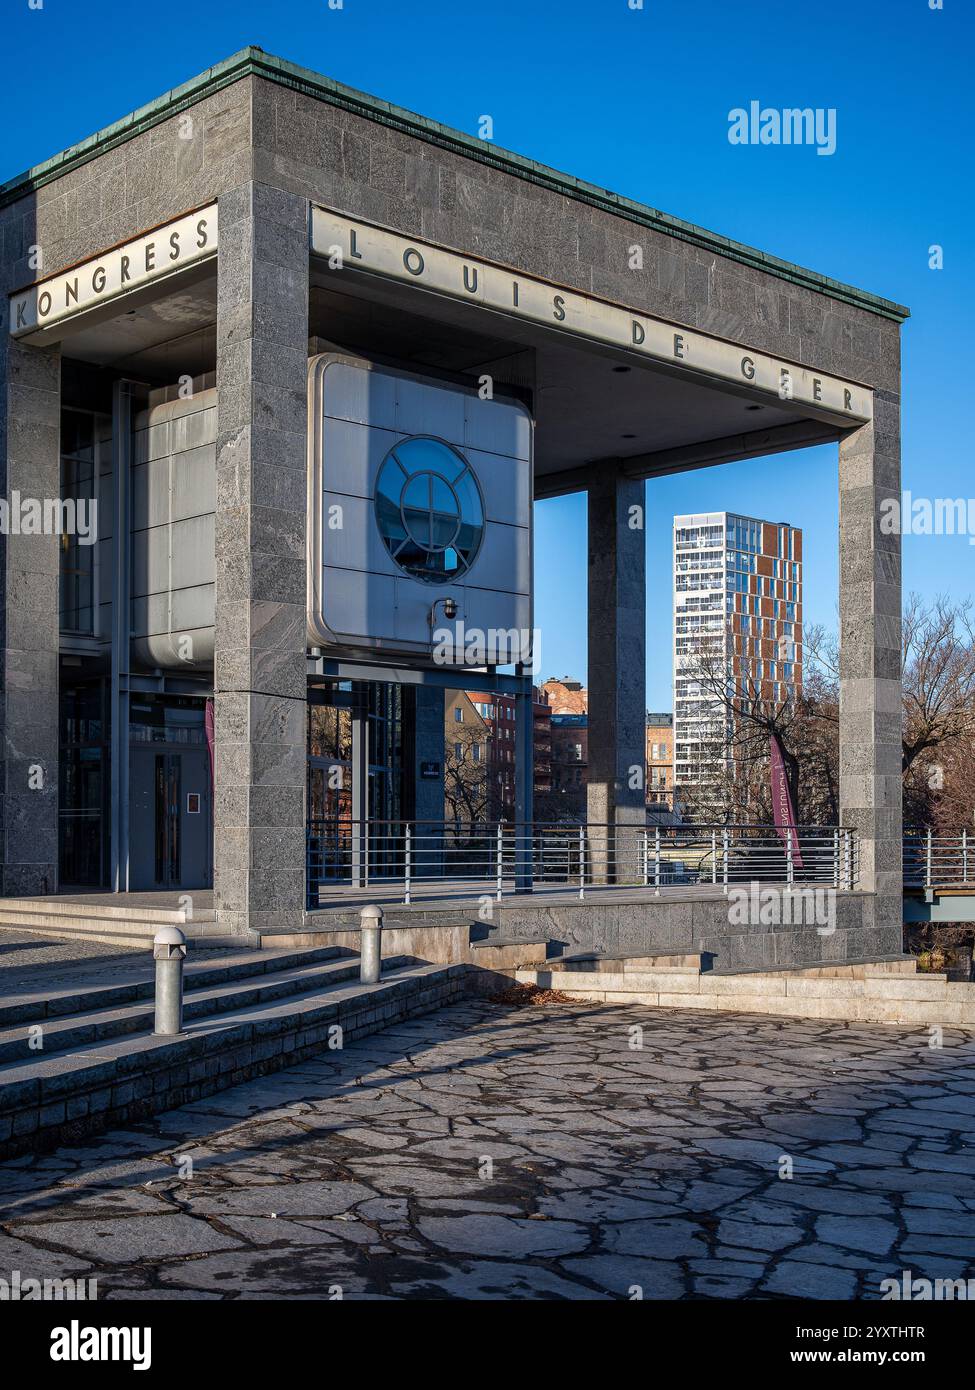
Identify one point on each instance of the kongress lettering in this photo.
(138, 262)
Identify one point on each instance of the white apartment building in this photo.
(737, 606)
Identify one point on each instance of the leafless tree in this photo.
(806, 725)
(466, 791)
(939, 678)
(938, 720)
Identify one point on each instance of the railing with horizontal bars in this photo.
(934, 859)
(502, 856)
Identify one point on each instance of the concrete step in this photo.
(627, 962)
(881, 965)
(78, 1029)
(125, 926)
(120, 1079)
(864, 994)
(77, 907)
(585, 984)
(139, 982)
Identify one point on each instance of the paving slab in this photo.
(494, 1152)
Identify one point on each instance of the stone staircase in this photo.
(883, 991)
(69, 919)
(75, 1061)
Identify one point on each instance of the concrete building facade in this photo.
(259, 217)
(660, 758)
(737, 627)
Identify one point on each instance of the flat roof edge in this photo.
(254, 62)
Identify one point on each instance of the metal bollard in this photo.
(370, 944)
(169, 950)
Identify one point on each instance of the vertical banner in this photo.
(782, 808)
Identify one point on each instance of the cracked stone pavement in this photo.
(488, 1151)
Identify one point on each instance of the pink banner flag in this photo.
(782, 808)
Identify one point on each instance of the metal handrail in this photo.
(944, 859)
(504, 856)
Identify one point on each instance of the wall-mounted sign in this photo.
(117, 272)
(358, 245)
(430, 772)
(192, 803)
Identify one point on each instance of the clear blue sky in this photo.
(636, 101)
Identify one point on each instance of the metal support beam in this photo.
(360, 788)
(524, 784)
(779, 439)
(445, 678)
(119, 682)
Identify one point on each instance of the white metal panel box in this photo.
(173, 482)
(419, 493)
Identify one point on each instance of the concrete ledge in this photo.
(506, 955)
(859, 996)
(441, 944)
(630, 962)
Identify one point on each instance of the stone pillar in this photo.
(259, 661)
(30, 433)
(870, 665)
(617, 673)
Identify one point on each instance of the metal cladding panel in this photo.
(436, 410)
(357, 544)
(419, 491)
(355, 453)
(173, 485)
(169, 558)
(506, 485)
(365, 397)
(175, 488)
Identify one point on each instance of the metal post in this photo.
(169, 951)
(524, 782)
(927, 870)
(121, 631)
(964, 856)
(406, 865)
(646, 859)
(848, 857)
(724, 855)
(360, 785)
(370, 944)
(836, 858)
(788, 858)
(582, 861)
(656, 859)
(714, 856)
(500, 858)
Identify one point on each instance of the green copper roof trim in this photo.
(254, 62)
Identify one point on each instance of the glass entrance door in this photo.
(168, 845)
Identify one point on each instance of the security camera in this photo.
(449, 610)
